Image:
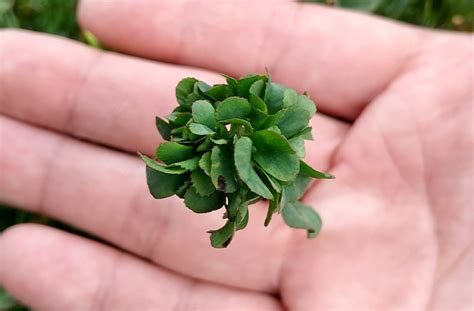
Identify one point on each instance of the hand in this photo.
(395, 127)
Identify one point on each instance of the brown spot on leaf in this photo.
(221, 184)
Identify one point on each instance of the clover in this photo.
(231, 145)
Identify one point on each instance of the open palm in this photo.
(395, 127)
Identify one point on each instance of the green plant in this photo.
(232, 145)
(445, 14)
(59, 17)
(51, 16)
(8, 303)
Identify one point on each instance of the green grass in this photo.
(58, 17)
(455, 15)
(51, 16)
(8, 303)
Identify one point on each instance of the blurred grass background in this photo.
(58, 17)
(455, 15)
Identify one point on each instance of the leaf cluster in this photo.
(230, 145)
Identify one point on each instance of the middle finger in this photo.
(104, 97)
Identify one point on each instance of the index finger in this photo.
(342, 59)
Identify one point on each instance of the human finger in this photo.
(343, 59)
(48, 269)
(102, 97)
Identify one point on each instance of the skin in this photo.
(394, 125)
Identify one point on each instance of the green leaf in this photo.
(257, 88)
(199, 129)
(297, 215)
(202, 86)
(187, 134)
(202, 183)
(219, 92)
(257, 103)
(243, 164)
(179, 118)
(189, 164)
(204, 113)
(275, 155)
(235, 201)
(274, 96)
(244, 84)
(242, 217)
(182, 190)
(163, 185)
(163, 127)
(233, 108)
(171, 152)
(309, 171)
(205, 163)
(222, 132)
(160, 168)
(184, 88)
(222, 237)
(271, 120)
(257, 118)
(297, 143)
(305, 134)
(306, 103)
(206, 145)
(180, 140)
(282, 202)
(177, 131)
(180, 109)
(275, 129)
(248, 129)
(203, 204)
(293, 121)
(290, 97)
(172, 116)
(252, 198)
(222, 169)
(274, 183)
(231, 82)
(219, 141)
(272, 208)
(295, 190)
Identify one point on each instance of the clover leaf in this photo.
(203, 204)
(298, 215)
(243, 163)
(275, 155)
(163, 185)
(231, 145)
(233, 108)
(222, 170)
(171, 152)
(203, 113)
